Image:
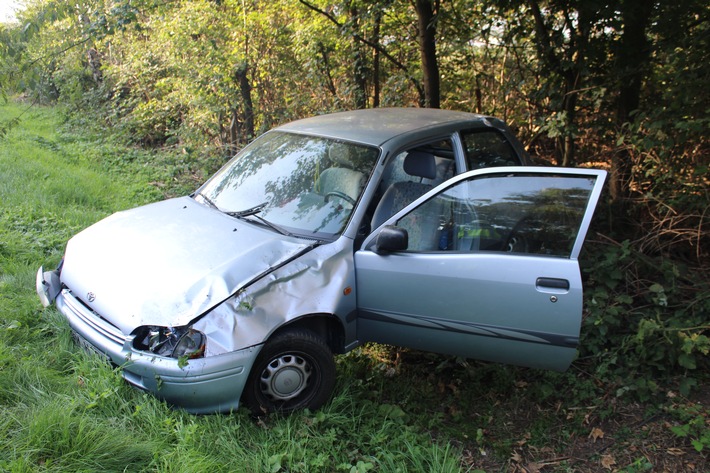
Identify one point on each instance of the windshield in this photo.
(302, 184)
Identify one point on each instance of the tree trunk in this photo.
(631, 63)
(569, 105)
(327, 71)
(376, 60)
(568, 71)
(426, 21)
(359, 64)
(240, 74)
(95, 65)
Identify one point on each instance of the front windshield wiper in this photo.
(273, 225)
(250, 211)
(254, 212)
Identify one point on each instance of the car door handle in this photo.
(552, 283)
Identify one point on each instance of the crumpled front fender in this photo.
(313, 283)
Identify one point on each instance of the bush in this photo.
(646, 319)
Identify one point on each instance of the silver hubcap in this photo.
(285, 377)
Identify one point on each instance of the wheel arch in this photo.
(327, 326)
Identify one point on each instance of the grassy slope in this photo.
(394, 410)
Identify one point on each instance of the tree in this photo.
(617, 81)
(427, 11)
(381, 51)
(632, 67)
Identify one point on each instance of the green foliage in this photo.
(214, 74)
(646, 320)
(692, 425)
(639, 465)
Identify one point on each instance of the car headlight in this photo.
(174, 342)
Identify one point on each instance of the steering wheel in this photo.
(341, 195)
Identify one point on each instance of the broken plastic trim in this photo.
(48, 285)
(173, 342)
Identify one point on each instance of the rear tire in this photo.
(294, 370)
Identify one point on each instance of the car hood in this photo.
(166, 263)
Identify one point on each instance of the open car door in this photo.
(483, 266)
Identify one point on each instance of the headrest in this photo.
(420, 164)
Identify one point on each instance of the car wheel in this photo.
(294, 370)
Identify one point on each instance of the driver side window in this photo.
(411, 174)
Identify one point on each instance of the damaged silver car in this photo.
(419, 228)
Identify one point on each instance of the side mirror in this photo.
(390, 239)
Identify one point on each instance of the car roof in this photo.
(376, 126)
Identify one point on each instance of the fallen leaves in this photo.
(608, 461)
(534, 466)
(596, 434)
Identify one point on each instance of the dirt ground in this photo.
(631, 440)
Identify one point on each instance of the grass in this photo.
(393, 411)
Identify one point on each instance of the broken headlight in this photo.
(174, 342)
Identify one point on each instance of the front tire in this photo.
(294, 370)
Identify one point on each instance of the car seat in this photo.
(341, 177)
(422, 228)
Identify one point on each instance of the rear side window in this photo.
(488, 148)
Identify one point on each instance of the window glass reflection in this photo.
(528, 214)
(307, 185)
(488, 148)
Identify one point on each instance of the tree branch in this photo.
(57, 53)
(369, 43)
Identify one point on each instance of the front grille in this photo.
(92, 319)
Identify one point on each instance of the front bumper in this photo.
(204, 385)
